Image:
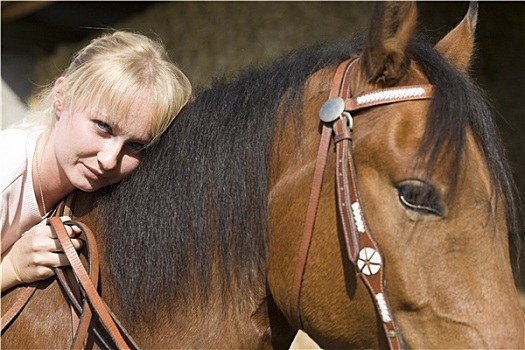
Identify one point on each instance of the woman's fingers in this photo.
(50, 260)
(72, 231)
(62, 260)
(77, 243)
(57, 246)
(43, 238)
(75, 231)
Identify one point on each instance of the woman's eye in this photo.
(419, 196)
(136, 147)
(104, 127)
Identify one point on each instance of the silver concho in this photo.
(332, 109)
(369, 261)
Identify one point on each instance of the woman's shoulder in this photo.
(14, 142)
(17, 145)
(19, 136)
(14, 135)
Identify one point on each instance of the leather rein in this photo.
(80, 288)
(362, 249)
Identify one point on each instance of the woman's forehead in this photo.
(129, 116)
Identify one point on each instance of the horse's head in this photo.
(434, 188)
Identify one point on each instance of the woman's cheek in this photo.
(129, 165)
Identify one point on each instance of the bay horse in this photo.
(199, 247)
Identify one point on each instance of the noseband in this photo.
(362, 249)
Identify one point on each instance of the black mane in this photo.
(200, 193)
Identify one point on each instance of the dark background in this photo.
(208, 39)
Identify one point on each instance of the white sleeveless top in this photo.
(18, 205)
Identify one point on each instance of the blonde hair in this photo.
(113, 71)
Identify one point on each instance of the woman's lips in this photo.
(93, 173)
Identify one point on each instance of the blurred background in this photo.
(212, 39)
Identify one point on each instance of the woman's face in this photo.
(92, 152)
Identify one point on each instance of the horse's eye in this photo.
(419, 196)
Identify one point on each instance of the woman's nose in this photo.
(109, 155)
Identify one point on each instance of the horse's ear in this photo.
(458, 45)
(384, 60)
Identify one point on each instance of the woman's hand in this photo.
(35, 254)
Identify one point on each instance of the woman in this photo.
(116, 98)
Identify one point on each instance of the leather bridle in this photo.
(362, 249)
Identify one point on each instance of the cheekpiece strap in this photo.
(362, 248)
